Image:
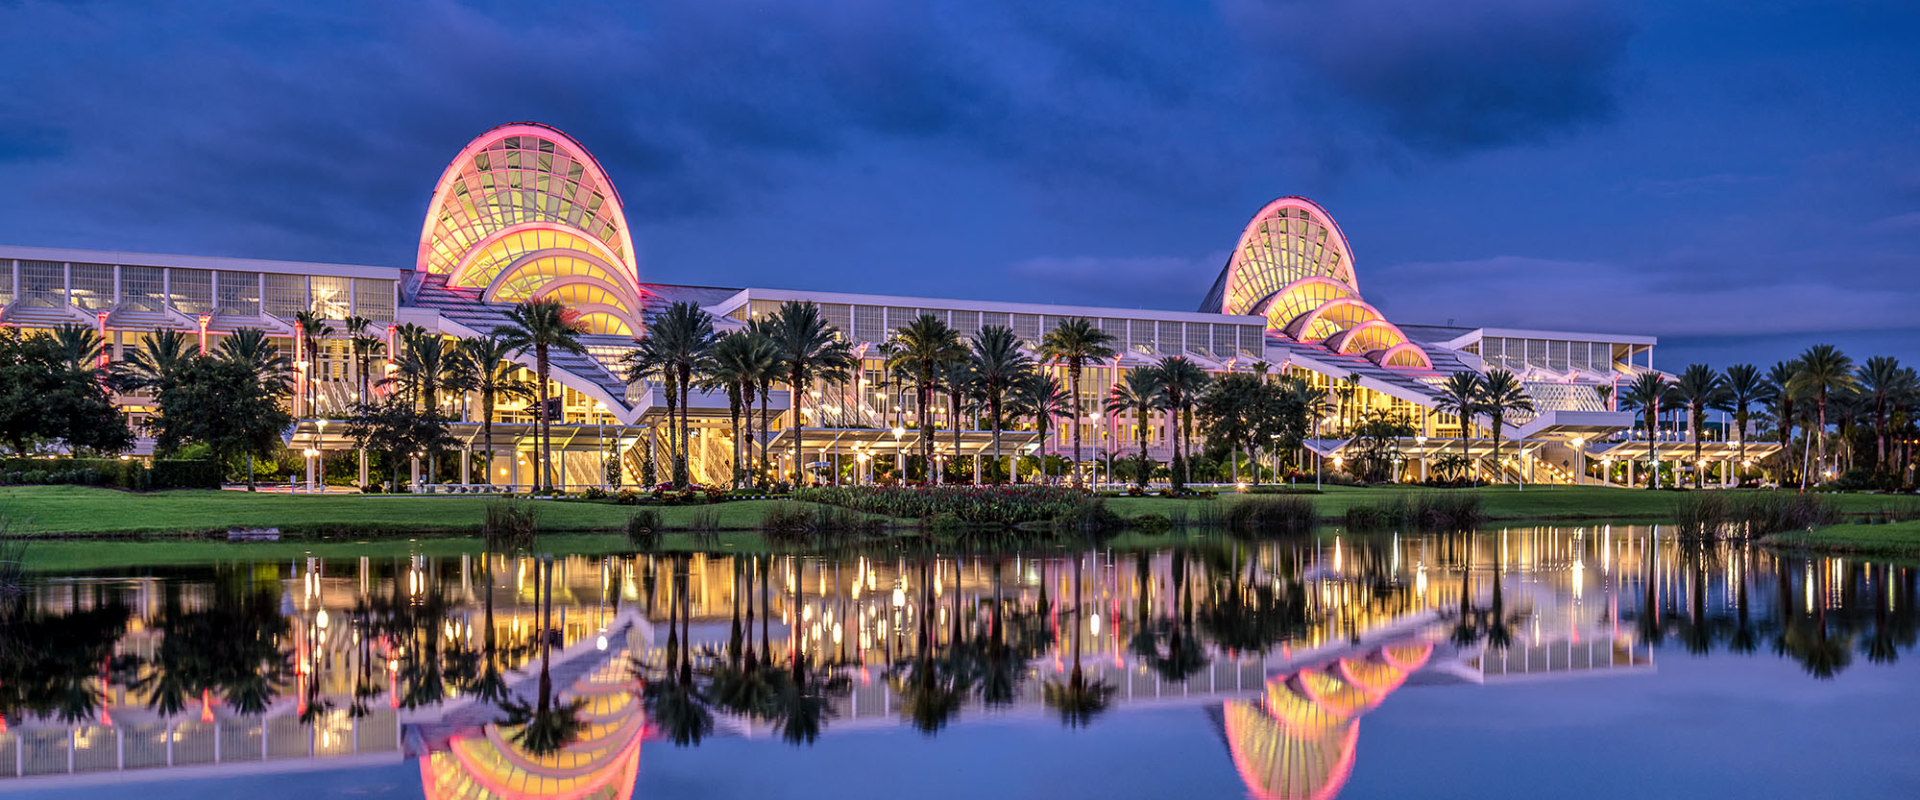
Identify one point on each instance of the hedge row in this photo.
(129, 474)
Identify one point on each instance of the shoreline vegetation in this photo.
(73, 527)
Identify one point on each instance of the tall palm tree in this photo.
(1645, 393)
(1181, 383)
(425, 367)
(998, 367)
(252, 347)
(681, 342)
(1745, 388)
(310, 328)
(1460, 394)
(921, 351)
(543, 326)
(1141, 392)
(1500, 395)
(366, 347)
(1075, 342)
(485, 365)
(159, 358)
(1039, 396)
(1780, 378)
(1884, 381)
(740, 359)
(809, 348)
(1698, 388)
(79, 347)
(1824, 371)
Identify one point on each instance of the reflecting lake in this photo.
(1600, 661)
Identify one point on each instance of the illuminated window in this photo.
(190, 291)
(92, 286)
(237, 293)
(43, 284)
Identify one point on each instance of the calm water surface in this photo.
(1521, 662)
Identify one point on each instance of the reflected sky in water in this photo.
(1605, 665)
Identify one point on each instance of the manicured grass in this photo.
(70, 556)
(1512, 503)
(87, 511)
(1896, 539)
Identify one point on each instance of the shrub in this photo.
(1268, 516)
(510, 525)
(1713, 515)
(1091, 518)
(595, 493)
(643, 528)
(975, 505)
(627, 497)
(181, 474)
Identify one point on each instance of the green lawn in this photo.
(1512, 503)
(77, 510)
(1897, 539)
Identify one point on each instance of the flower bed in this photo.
(1003, 505)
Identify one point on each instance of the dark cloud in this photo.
(1452, 77)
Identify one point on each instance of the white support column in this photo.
(466, 465)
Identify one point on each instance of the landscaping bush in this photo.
(1151, 523)
(1270, 516)
(1089, 518)
(75, 471)
(172, 474)
(510, 525)
(1715, 515)
(974, 505)
(643, 528)
(1432, 511)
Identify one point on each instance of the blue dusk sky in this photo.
(1740, 179)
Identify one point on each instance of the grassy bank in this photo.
(74, 511)
(85, 511)
(1508, 503)
(1894, 540)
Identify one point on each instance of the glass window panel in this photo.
(92, 286)
(330, 296)
(43, 284)
(1027, 327)
(373, 299)
(1198, 337)
(142, 288)
(237, 293)
(1168, 339)
(286, 295)
(869, 324)
(190, 290)
(6, 281)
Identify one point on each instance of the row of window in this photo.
(1553, 354)
(105, 287)
(874, 324)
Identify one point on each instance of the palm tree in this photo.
(1141, 392)
(1501, 394)
(1644, 393)
(310, 328)
(680, 342)
(998, 368)
(78, 347)
(1039, 396)
(740, 359)
(1181, 383)
(1884, 382)
(250, 346)
(485, 365)
(425, 367)
(1780, 379)
(543, 326)
(1744, 388)
(1075, 342)
(365, 347)
(808, 348)
(1698, 388)
(1824, 371)
(159, 358)
(544, 726)
(921, 351)
(1460, 394)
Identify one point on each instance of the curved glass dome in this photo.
(524, 212)
(1293, 266)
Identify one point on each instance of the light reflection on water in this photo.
(1275, 654)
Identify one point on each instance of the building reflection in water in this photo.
(1287, 643)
